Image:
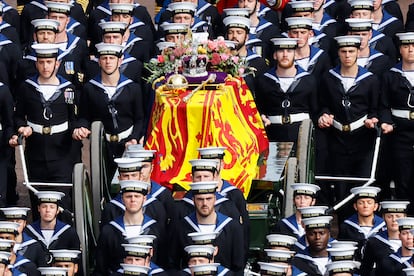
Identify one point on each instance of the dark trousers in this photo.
(403, 169)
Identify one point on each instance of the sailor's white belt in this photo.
(48, 130)
(120, 136)
(405, 114)
(289, 119)
(1, 127)
(350, 127)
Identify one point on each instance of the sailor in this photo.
(116, 101)
(24, 244)
(364, 223)
(140, 255)
(8, 232)
(45, 31)
(268, 269)
(198, 254)
(136, 33)
(314, 258)
(397, 87)
(342, 268)
(157, 191)
(7, 29)
(260, 27)
(394, 263)
(113, 33)
(134, 222)
(286, 94)
(350, 115)
(48, 231)
(226, 189)
(206, 220)
(174, 32)
(205, 170)
(304, 195)
(185, 12)
(74, 49)
(362, 9)
(385, 242)
(205, 11)
(237, 30)
(38, 10)
(369, 58)
(68, 259)
(44, 115)
(4, 263)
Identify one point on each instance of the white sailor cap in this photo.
(312, 211)
(241, 12)
(134, 186)
(203, 238)
(394, 206)
(204, 269)
(302, 6)
(162, 45)
(136, 250)
(174, 28)
(182, 7)
(405, 223)
(45, 50)
(237, 22)
(406, 38)
(272, 269)
(359, 24)
(113, 27)
(282, 256)
(109, 49)
(137, 270)
(45, 24)
(147, 240)
(204, 187)
(58, 7)
(362, 4)
(15, 212)
(341, 254)
(9, 227)
(136, 152)
(317, 222)
(230, 44)
(65, 255)
(365, 192)
(343, 244)
(121, 8)
(305, 189)
(299, 23)
(204, 165)
(281, 240)
(281, 43)
(49, 196)
(348, 41)
(342, 267)
(127, 164)
(212, 152)
(206, 251)
(5, 257)
(409, 271)
(6, 245)
(53, 271)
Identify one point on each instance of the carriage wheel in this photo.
(305, 152)
(83, 215)
(290, 178)
(98, 170)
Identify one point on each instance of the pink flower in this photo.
(235, 59)
(224, 57)
(160, 58)
(178, 52)
(215, 59)
(212, 45)
(241, 71)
